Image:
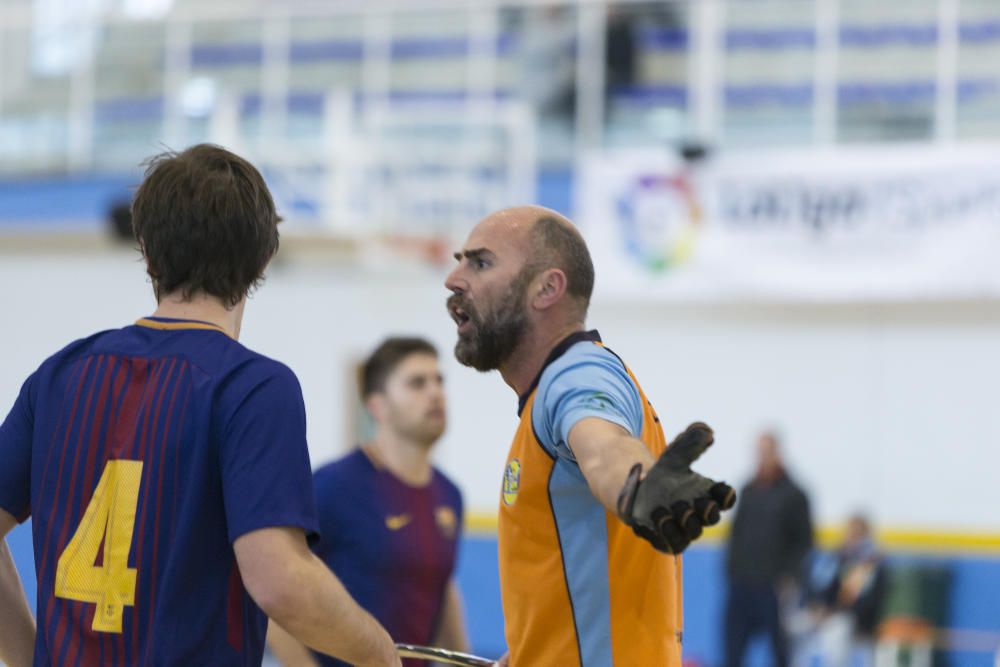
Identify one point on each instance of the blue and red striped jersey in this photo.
(141, 455)
(391, 544)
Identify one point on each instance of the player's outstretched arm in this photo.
(296, 590)
(17, 627)
(664, 501)
(606, 453)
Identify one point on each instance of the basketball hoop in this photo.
(432, 250)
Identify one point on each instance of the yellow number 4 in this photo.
(109, 518)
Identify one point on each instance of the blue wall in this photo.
(19, 541)
(975, 596)
(975, 600)
(61, 202)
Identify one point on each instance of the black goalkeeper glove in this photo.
(671, 504)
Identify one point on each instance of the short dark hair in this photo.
(559, 245)
(386, 357)
(205, 222)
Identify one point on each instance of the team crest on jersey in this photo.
(511, 482)
(446, 520)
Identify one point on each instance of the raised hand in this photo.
(671, 504)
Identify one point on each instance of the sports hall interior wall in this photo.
(845, 384)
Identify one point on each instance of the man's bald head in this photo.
(558, 244)
(551, 241)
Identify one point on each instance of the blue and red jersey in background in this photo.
(141, 455)
(392, 545)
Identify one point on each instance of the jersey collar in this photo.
(170, 324)
(558, 351)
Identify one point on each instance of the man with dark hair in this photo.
(589, 477)
(390, 521)
(218, 204)
(166, 465)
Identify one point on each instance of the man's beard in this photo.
(495, 336)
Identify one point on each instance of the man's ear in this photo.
(550, 288)
(375, 403)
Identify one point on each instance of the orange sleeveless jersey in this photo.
(579, 588)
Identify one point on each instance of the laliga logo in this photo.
(659, 216)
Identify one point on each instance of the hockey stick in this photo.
(442, 655)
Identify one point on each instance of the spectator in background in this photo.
(547, 55)
(629, 72)
(619, 47)
(120, 222)
(771, 535)
(548, 40)
(845, 591)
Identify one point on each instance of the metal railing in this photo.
(722, 72)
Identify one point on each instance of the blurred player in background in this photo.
(769, 541)
(390, 521)
(589, 472)
(165, 465)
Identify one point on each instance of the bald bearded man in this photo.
(595, 508)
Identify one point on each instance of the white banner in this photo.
(874, 223)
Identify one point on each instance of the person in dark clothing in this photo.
(619, 48)
(771, 535)
(845, 593)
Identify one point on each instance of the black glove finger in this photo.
(652, 537)
(667, 526)
(707, 511)
(685, 517)
(723, 494)
(689, 445)
(674, 536)
(661, 517)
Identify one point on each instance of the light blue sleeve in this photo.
(586, 381)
